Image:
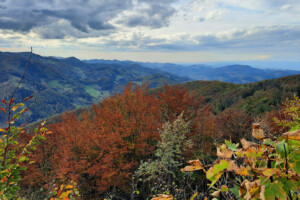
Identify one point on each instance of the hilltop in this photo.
(62, 84)
(255, 98)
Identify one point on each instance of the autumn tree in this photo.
(233, 125)
(101, 149)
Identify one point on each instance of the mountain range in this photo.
(66, 84)
(230, 73)
(62, 84)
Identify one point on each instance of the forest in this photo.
(135, 145)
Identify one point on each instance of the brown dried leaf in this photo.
(195, 165)
(252, 189)
(242, 171)
(225, 154)
(216, 193)
(246, 145)
(163, 197)
(294, 135)
(233, 166)
(258, 134)
(27, 98)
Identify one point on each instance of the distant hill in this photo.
(254, 98)
(61, 84)
(228, 73)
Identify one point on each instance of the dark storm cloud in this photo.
(84, 17)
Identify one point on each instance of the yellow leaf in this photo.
(195, 165)
(69, 187)
(194, 196)
(163, 197)
(2, 130)
(271, 172)
(65, 194)
(14, 108)
(294, 135)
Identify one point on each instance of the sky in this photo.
(177, 31)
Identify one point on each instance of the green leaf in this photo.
(269, 142)
(293, 144)
(295, 128)
(215, 172)
(44, 129)
(280, 148)
(22, 158)
(231, 146)
(296, 168)
(16, 116)
(222, 165)
(23, 168)
(274, 190)
(235, 190)
(288, 184)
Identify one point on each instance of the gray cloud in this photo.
(268, 38)
(155, 15)
(84, 17)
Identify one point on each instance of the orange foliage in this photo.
(104, 147)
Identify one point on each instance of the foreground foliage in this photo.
(266, 169)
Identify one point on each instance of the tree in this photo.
(233, 125)
(161, 174)
(101, 149)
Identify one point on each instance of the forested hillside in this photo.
(66, 84)
(254, 98)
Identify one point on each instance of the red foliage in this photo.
(233, 125)
(104, 147)
(269, 125)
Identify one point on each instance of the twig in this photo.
(10, 111)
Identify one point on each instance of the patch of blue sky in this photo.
(238, 8)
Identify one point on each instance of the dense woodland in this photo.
(132, 145)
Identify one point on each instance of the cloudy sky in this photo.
(154, 30)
